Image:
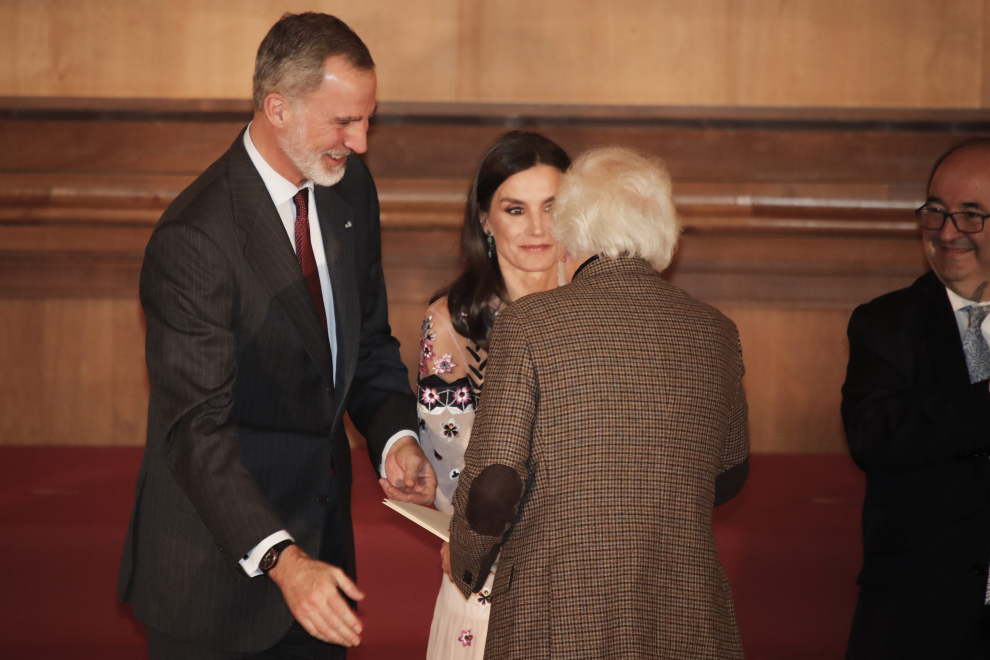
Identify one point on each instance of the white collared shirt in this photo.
(282, 191)
(959, 305)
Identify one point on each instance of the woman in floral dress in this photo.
(507, 252)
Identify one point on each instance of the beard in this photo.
(310, 163)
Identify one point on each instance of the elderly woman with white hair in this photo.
(612, 421)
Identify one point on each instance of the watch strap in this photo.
(270, 559)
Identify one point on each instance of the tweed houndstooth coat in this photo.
(618, 403)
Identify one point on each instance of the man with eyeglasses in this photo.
(916, 408)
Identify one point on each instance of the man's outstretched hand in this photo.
(409, 476)
(310, 589)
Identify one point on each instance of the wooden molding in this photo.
(512, 115)
(84, 181)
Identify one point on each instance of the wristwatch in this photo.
(270, 559)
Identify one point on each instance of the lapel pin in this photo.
(348, 224)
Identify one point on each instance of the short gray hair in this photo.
(614, 201)
(292, 55)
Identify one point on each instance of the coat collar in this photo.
(269, 252)
(595, 269)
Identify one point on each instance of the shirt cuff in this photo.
(388, 445)
(249, 563)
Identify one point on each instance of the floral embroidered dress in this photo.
(451, 374)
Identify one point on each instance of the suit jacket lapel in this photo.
(335, 215)
(269, 252)
(948, 358)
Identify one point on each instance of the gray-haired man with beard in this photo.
(267, 321)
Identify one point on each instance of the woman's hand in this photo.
(445, 559)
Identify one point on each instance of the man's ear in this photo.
(278, 111)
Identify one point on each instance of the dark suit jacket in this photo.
(244, 421)
(920, 431)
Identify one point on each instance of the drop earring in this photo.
(491, 242)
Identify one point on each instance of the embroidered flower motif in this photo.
(439, 457)
(430, 396)
(444, 364)
(451, 429)
(462, 395)
(425, 352)
(422, 424)
(485, 597)
(455, 473)
(427, 324)
(466, 637)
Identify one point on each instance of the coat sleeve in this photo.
(893, 425)
(734, 467)
(382, 402)
(188, 293)
(497, 466)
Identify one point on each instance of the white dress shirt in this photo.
(282, 191)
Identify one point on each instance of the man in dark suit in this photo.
(916, 408)
(267, 321)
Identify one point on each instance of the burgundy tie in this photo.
(304, 253)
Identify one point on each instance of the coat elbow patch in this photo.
(492, 500)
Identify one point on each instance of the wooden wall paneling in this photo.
(130, 377)
(76, 368)
(985, 57)
(561, 51)
(22, 392)
(877, 53)
(767, 154)
(812, 271)
(185, 49)
(795, 365)
(73, 372)
(695, 148)
(115, 147)
(854, 53)
(786, 244)
(763, 52)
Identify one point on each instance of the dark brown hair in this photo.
(470, 297)
(292, 55)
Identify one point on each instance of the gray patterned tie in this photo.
(975, 345)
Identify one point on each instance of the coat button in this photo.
(979, 569)
(468, 578)
(322, 499)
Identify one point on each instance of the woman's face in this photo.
(519, 219)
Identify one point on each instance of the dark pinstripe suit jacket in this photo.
(617, 401)
(243, 425)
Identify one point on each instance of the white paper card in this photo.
(427, 518)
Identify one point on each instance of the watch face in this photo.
(268, 560)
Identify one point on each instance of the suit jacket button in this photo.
(979, 569)
(322, 499)
(468, 578)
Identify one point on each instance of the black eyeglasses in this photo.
(967, 222)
